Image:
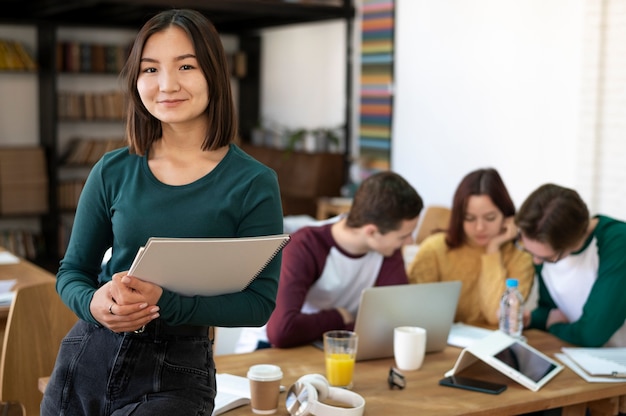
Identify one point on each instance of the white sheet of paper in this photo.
(7, 285)
(8, 258)
(6, 295)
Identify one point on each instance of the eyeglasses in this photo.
(520, 246)
(396, 379)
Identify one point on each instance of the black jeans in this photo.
(158, 372)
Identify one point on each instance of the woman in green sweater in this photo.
(477, 248)
(581, 265)
(138, 348)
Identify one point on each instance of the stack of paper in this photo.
(6, 293)
(596, 364)
(8, 258)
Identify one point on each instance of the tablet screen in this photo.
(526, 361)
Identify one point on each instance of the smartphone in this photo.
(473, 384)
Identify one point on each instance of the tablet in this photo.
(515, 359)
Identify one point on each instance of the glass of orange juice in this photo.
(340, 352)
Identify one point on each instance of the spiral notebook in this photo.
(205, 266)
(599, 362)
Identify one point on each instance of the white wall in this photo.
(303, 75)
(487, 83)
(603, 118)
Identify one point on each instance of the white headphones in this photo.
(303, 398)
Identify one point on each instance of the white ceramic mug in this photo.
(409, 347)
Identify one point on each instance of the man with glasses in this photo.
(581, 267)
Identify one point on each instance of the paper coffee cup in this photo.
(264, 388)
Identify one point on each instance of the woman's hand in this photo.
(120, 317)
(526, 317)
(508, 233)
(127, 289)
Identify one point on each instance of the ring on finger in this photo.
(111, 309)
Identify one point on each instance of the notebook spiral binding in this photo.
(269, 260)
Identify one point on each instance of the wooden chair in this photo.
(330, 207)
(38, 320)
(434, 219)
(12, 409)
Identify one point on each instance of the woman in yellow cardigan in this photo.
(477, 248)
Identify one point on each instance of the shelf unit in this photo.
(241, 18)
(88, 61)
(303, 177)
(23, 186)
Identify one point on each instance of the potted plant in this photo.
(313, 140)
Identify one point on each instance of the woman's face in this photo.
(171, 84)
(483, 220)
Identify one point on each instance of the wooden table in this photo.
(423, 396)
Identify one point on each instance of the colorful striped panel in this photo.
(376, 82)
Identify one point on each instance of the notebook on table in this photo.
(602, 364)
(382, 308)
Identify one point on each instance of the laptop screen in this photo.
(382, 308)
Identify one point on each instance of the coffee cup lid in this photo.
(265, 372)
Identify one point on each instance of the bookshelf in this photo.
(23, 177)
(89, 110)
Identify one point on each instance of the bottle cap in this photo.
(511, 282)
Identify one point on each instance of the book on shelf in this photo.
(603, 364)
(83, 151)
(98, 59)
(85, 57)
(94, 106)
(205, 266)
(98, 148)
(77, 56)
(13, 56)
(68, 193)
(26, 62)
(23, 243)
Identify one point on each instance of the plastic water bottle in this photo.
(512, 310)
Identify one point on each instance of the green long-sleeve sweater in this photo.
(123, 204)
(589, 286)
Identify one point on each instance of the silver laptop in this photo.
(382, 308)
